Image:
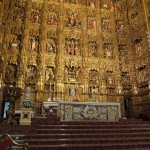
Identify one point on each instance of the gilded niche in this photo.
(72, 19)
(72, 46)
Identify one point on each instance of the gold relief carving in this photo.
(35, 16)
(52, 15)
(120, 27)
(51, 45)
(52, 19)
(106, 25)
(92, 21)
(108, 50)
(13, 58)
(110, 79)
(123, 51)
(58, 28)
(138, 44)
(92, 64)
(31, 73)
(72, 47)
(92, 46)
(32, 58)
(19, 14)
(15, 42)
(50, 60)
(72, 19)
(72, 71)
(49, 74)
(120, 7)
(34, 42)
(11, 73)
(125, 79)
(135, 16)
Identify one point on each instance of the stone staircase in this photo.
(89, 135)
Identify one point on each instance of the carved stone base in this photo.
(26, 116)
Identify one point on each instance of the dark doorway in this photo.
(128, 107)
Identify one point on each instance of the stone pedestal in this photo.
(26, 116)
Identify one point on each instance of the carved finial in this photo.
(27, 96)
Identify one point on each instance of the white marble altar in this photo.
(50, 108)
(79, 111)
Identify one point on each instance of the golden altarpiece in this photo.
(90, 50)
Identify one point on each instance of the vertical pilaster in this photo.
(24, 47)
(60, 55)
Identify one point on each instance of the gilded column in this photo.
(85, 65)
(41, 55)
(24, 47)
(60, 55)
(145, 4)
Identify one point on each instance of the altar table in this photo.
(80, 111)
(50, 108)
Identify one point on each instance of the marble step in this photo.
(92, 126)
(112, 146)
(81, 131)
(93, 140)
(91, 135)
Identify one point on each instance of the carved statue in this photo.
(34, 43)
(10, 74)
(15, 42)
(66, 74)
(72, 90)
(108, 50)
(50, 45)
(35, 17)
(73, 20)
(106, 25)
(135, 20)
(31, 73)
(72, 47)
(91, 4)
(19, 14)
(120, 27)
(52, 20)
(93, 49)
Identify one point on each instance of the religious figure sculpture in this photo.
(11, 72)
(91, 4)
(73, 20)
(108, 50)
(66, 74)
(120, 27)
(52, 20)
(34, 43)
(35, 16)
(50, 45)
(92, 46)
(72, 47)
(19, 14)
(91, 23)
(72, 90)
(106, 25)
(51, 75)
(31, 73)
(15, 42)
(135, 23)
